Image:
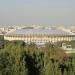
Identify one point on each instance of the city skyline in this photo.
(39, 12)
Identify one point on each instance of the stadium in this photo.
(40, 36)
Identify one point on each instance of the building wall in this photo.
(39, 39)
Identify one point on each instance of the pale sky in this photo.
(44, 12)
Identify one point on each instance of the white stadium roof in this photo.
(39, 32)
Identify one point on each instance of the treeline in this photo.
(19, 58)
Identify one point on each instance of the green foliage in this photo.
(1, 41)
(18, 58)
(1, 37)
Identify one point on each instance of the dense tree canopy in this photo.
(19, 58)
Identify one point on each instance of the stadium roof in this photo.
(39, 32)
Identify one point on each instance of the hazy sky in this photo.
(46, 12)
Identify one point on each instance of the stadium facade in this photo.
(40, 36)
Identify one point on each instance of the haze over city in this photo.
(44, 12)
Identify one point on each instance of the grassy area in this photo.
(72, 43)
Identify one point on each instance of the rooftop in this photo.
(39, 32)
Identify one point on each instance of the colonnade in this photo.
(39, 38)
